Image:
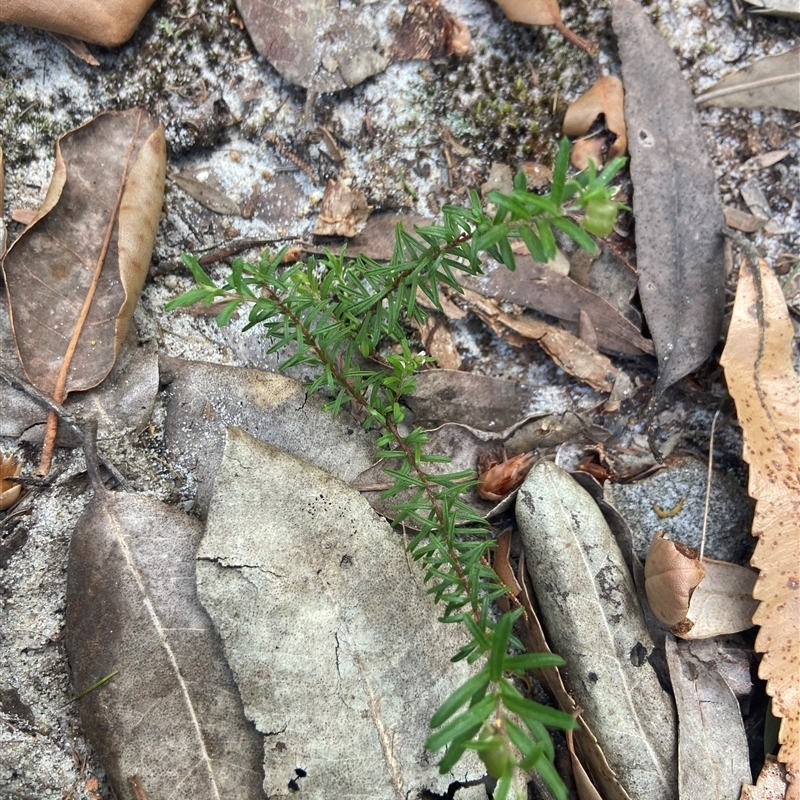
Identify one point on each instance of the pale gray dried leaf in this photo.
(203, 398)
(713, 758)
(208, 195)
(778, 8)
(593, 619)
(678, 216)
(171, 716)
(323, 47)
(446, 395)
(122, 403)
(328, 628)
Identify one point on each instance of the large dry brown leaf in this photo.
(758, 367)
(171, 716)
(74, 275)
(771, 81)
(106, 22)
(678, 217)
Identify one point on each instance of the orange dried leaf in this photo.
(9, 490)
(758, 367)
(605, 97)
(503, 478)
(672, 572)
(543, 12)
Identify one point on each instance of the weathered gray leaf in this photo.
(208, 195)
(172, 716)
(328, 629)
(323, 47)
(678, 217)
(489, 404)
(773, 81)
(713, 758)
(203, 398)
(593, 619)
(778, 8)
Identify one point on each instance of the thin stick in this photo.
(708, 484)
(15, 382)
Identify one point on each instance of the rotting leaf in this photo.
(773, 81)
(429, 30)
(343, 212)
(172, 715)
(712, 743)
(778, 8)
(535, 286)
(604, 97)
(593, 619)
(758, 368)
(321, 47)
(106, 22)
(88, 252)
(208, 195)
(543, 12)
(328, 628)
(678, 216)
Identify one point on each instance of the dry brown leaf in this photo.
(429, 31)
(9, 489)
(105, 22)
(77, 47)
(502, 478)
(88, 250)
(605, 97)
(758, 367)
(569, 352)
(206, 193)
(343, 212)
(543, 12)
(697, 600)
(23, 215)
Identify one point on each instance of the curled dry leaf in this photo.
(697, 600)
(105, 22)
(500, 479)
(605, 97)
(543, 12)
(88, 251)
(758, 367)
(9, 490)
(344, 211)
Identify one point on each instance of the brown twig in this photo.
(66, 418)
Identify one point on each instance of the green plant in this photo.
(344, 316)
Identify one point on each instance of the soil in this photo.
(414, 137)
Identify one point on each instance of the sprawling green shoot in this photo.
(342, 316)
